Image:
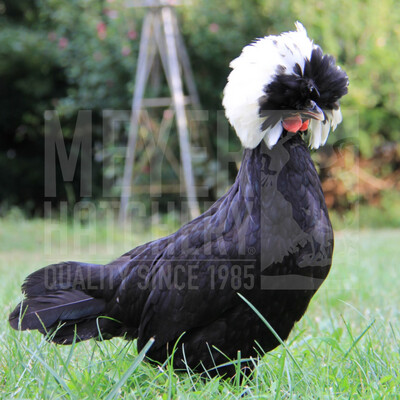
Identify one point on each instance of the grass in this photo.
(347, 345)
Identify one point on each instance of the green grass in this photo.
(347, 345)
(384, 215)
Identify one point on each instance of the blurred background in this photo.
(81, 55)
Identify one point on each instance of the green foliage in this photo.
(66, 56)
(76, 55)
(385, 215)
(95, 51)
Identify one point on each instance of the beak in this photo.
(314, 112)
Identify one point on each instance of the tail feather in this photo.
(62, 276)
(65, 299)
(46, 311)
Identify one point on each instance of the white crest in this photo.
(252, 71)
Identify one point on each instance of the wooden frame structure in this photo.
(160, 34)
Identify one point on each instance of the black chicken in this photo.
(268, 238)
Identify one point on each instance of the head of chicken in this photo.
(284, 84)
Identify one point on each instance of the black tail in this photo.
(67, 300)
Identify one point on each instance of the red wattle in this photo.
(304, 127)
(292, 124)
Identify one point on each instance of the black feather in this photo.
(320, 81)
(46, 311)
(63, 276)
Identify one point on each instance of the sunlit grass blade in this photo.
(273, 332)
(51, 370)
(114, 391)
(354, 344)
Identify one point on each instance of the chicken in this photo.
(269, 238)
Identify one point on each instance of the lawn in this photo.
(347, 345)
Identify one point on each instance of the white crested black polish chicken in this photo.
(268, 238)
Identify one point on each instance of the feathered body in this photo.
(268, 238)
